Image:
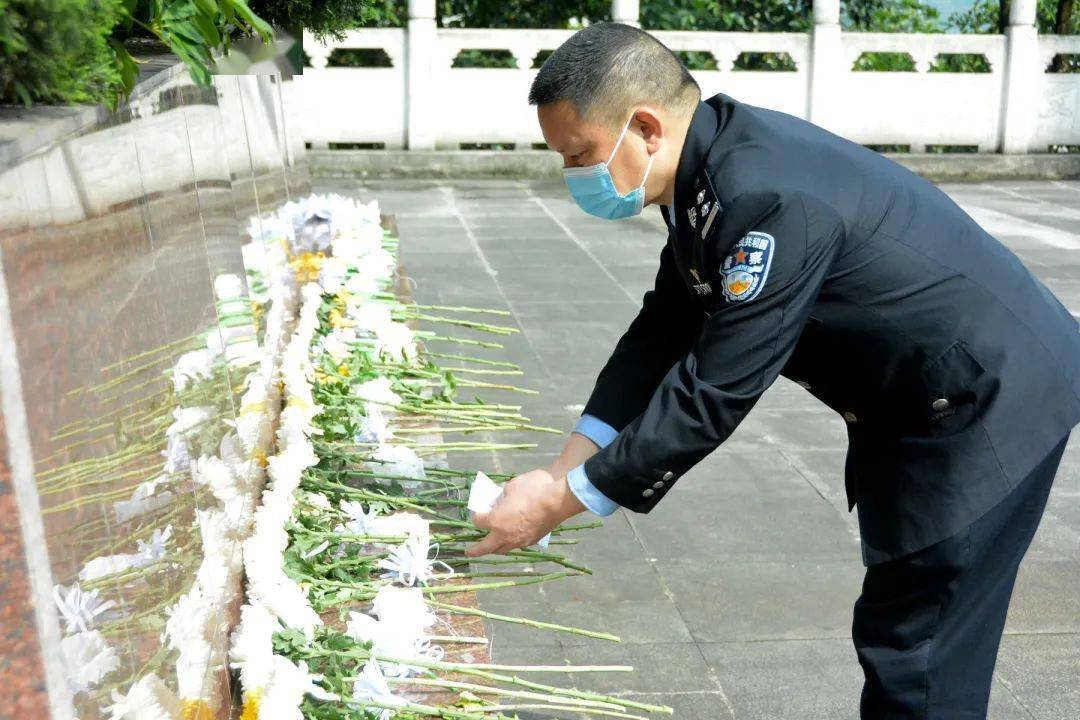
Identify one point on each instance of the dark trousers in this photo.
(928, 625)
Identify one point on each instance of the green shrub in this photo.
(58, 51)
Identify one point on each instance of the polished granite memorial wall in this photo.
(114, 227)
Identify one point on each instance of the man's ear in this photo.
(649, 123)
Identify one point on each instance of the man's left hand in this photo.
(532, 504)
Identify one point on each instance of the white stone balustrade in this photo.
(423, 102)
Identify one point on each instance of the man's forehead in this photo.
(565, 129)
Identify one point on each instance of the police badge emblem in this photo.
(746, 267)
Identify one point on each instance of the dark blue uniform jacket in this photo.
(799, 253)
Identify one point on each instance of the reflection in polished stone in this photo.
(129, 337)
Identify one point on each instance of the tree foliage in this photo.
(58, 51)
(77, 51)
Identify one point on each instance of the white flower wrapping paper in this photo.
(484, 493)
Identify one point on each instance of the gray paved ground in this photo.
(734, 596)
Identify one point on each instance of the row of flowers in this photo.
(312, 426)
(214, 431)
(363, 514)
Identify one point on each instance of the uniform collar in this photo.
(706, 125)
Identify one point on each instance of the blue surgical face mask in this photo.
(594, 191)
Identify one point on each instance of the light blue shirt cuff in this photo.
(597, 502)
(596, 430)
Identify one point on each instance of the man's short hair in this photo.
(607, 68)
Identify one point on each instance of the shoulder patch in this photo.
(746, 267)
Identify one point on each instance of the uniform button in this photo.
(803, 384)
(658, 484)
(850, 416)
(647, 492)
(940, 404)
(668, 476)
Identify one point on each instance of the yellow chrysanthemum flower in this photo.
(306, 266)
(250, 709)
(197, 710)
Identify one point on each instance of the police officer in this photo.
(792, 251)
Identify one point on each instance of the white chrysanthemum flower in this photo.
(338, 344)
(264, 565)
(79, 608)
(400, 636)
(157, 546)
(228, 286)
(105, 565)
(370, 685)
(332, 274)
(231, 451)
(357, 241)
(253, 428)
(360, 522)
(397, 342)
(401, 523)
(144, 499)
(395, 604)
(177, 455)
(149, 551)
(270, 229)
(374, 426)
(147, 699)
(378, 391)
(87, 659)
(221, 339)
(191, 619)
(214, 474)
(253, 647)
(362, 285)
(217, 530)
(186, 420)
(286, 691)
(397, 461)
(408, 563)
(318, 500)
(254, 256)
(371, 317)
(194, 365)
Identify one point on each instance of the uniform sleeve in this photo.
(741, 349)
(669, 321)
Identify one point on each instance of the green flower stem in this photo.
(446, 430)
(461, 610)
(110, 496)
(507, 573)
(466, 341)
(578, 696)
(98, 479)
(429, 711)
(162, 378)
(585, 705)
(476, 371)
(114, 411)
(512, 388)
(462, 308)
(442, 589)
(582, 526)
(462, 639)
(93, 465)
(405, 502)
(493, 329)
(168, 347)
(564, 708)
(456, 666)
(478, 361)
